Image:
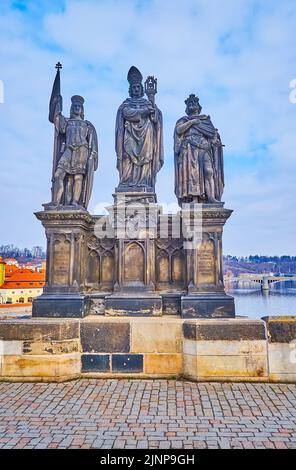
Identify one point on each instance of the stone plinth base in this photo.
(128, 195)
(225, 350)
(61, 306)
(171, 303)
(281, 348)
(64, 293)
(144, 305)
(207, 306)
(238, 349)
(39, 350)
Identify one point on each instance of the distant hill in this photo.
(260, 264)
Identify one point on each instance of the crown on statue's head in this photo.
(134, 76)
(192, 97)
(77, 98)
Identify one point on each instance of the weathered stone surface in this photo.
(247, 348)
(207, 306)
(224, 330)
(97, 305)
(226, 367)
(163, 364)
(232, 366)
(105, 337)
(10, 348)
(206, 261)
(63, 365)
(127, 363)
(225, 349)
(51, 347)
(190, 367)
(159, 335)
(61, 261)
(95, 362)
(282, 362)
(64, 294)
(216, 349)
(281, 348)
(141, 305)
(61, 306)
(281, 329)
(171, 304)
(39, 329)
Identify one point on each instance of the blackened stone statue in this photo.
(75, 151)
(139, 141)
(198, 157)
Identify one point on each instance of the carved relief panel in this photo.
(170, 264)
(100, 264)
(61, 260)
(134, 263)
(205, 261)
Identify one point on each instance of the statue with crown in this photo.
(138, 136)
(75, 156)
(198, 150)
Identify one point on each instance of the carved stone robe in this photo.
(195, 149)
(138, 144)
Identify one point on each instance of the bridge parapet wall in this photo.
(281, 335)
(239, 349)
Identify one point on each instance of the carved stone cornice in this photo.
(210, 216)
(64, 216)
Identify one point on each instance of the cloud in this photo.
(238, 59)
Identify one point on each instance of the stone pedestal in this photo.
(202, 230)
(63, 295)
(135, 220)
(138, 195)
(135, 261)
(225, 350)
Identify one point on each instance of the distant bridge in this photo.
(264, 280)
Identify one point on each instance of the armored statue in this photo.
(75, 151)
(198, 150)
(138, 136)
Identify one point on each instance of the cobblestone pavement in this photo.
(147, 414)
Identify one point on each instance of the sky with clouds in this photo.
(238, 56)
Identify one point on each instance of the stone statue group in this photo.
(198, 151)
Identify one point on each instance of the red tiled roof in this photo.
(25, 278)
(10, 269)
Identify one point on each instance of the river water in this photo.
(251, 303)
(257, 304)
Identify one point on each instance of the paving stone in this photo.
(158, 414)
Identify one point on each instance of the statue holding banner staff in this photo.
(75, 151)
